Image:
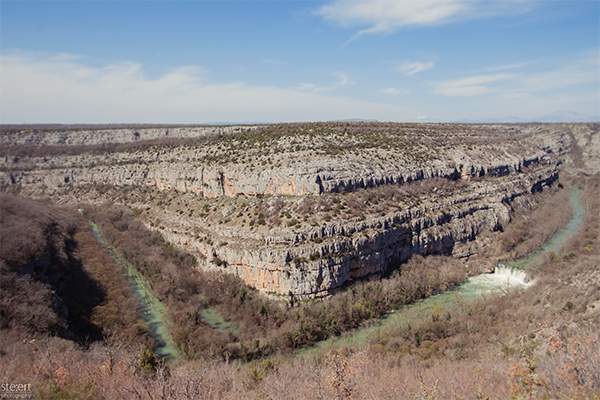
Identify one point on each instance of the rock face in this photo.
(587, 139)
(236, 180)
(104, 136)
(282, 263)
(491, 170)
(296, 173)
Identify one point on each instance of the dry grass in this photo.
(536, 343)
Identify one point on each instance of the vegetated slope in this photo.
(415, 188)
(56, 280)
(535, 342)
(292, 159)
(487, 348)
(259, 327)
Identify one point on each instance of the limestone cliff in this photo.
(34, 137)
(296, 208)
(210, 170)
(315, 261)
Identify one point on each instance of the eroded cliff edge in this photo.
(306, 208)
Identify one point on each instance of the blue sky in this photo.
(272, 61)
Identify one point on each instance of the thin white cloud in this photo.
(385, 16)
(307, 86)
(507, 66)
(583, 70)
(409, 69)
(46, 89)
(343, 80)
(469, 86)
(394, 91)
(274, 62)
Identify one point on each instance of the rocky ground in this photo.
(304, 209)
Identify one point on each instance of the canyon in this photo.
(302, 210)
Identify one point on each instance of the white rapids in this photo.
(502, 278)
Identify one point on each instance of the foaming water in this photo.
(502, 276)
(512, 275)
(505, 277)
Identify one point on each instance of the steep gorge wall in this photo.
(297, 173)
(105, 136)
(281, 263)
(317, 176)
(313, 260)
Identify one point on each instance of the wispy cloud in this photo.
(582, 70)
(274, 62)
(64, 89)
(507, 66)
(394, 91)
(469, 86)
(411, 68)
(343, 80)
(385, 16)
(307, 86)
(585, 69)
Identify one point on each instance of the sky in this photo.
(188, 62)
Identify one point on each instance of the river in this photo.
(152, 308)
(506, 276)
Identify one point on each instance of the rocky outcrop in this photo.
(499, 167)
(318, 175)
(317, 261)
(104, 136)
(586, 157)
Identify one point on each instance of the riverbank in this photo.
(152, 308)
(507, 276)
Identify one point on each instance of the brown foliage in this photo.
(532, 229)
(269, 328)
(30, 229)
(59, 280)
(119, 312)
(525, 343)
(26, 305)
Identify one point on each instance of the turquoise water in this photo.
(213, 318)
(510, 275)
(559, 239)
(505, 277)
(502, 279)
(152, 309)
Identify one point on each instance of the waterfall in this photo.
(503, 278)
(511, 276)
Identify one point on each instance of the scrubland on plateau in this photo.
(263, 241)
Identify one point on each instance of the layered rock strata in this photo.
(103, 136)
(317, 261)
(296, 173)
(495, 168)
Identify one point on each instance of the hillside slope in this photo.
(304, 209)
